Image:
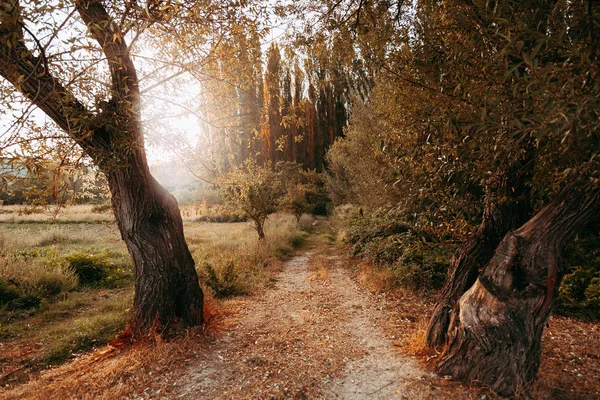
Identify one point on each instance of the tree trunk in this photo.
(260, 228)
(499, 218)
(469, 259)
(500, 319)
(166, 284)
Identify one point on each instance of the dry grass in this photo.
(38, 277)
(144, 370)
(375, 279)
(416, 343)
(35, 252)
(16, 237)
(282, 234)
(72, 214)
(232, 261)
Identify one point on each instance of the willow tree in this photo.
(549, 58)
(166, 284)
(490, 109)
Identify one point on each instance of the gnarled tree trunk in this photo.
(498, 332)
(166, 283)
(499, 218)
(469, 259)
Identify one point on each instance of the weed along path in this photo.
(312, 335)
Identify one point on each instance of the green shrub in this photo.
(230, 275)
(575, 284)
(95, 269)
(8, 292)
(91, 269)
(423, 265)
(36, 274)
(224, 282)
(579, 293)
(37, 252)
(592, 296)
(388, 239)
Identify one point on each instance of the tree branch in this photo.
(29, 76)
(112, 40)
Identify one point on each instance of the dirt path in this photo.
(313, 335)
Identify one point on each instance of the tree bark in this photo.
(500, 319)
(166, 284)
(469, 259)
(499, 218)
(259, 224)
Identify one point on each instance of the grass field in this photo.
(66, 281)
(70, 215)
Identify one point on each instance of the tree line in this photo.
(274, 107)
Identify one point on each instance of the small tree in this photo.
(253, 190)
(294, 200)
(302, 190)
